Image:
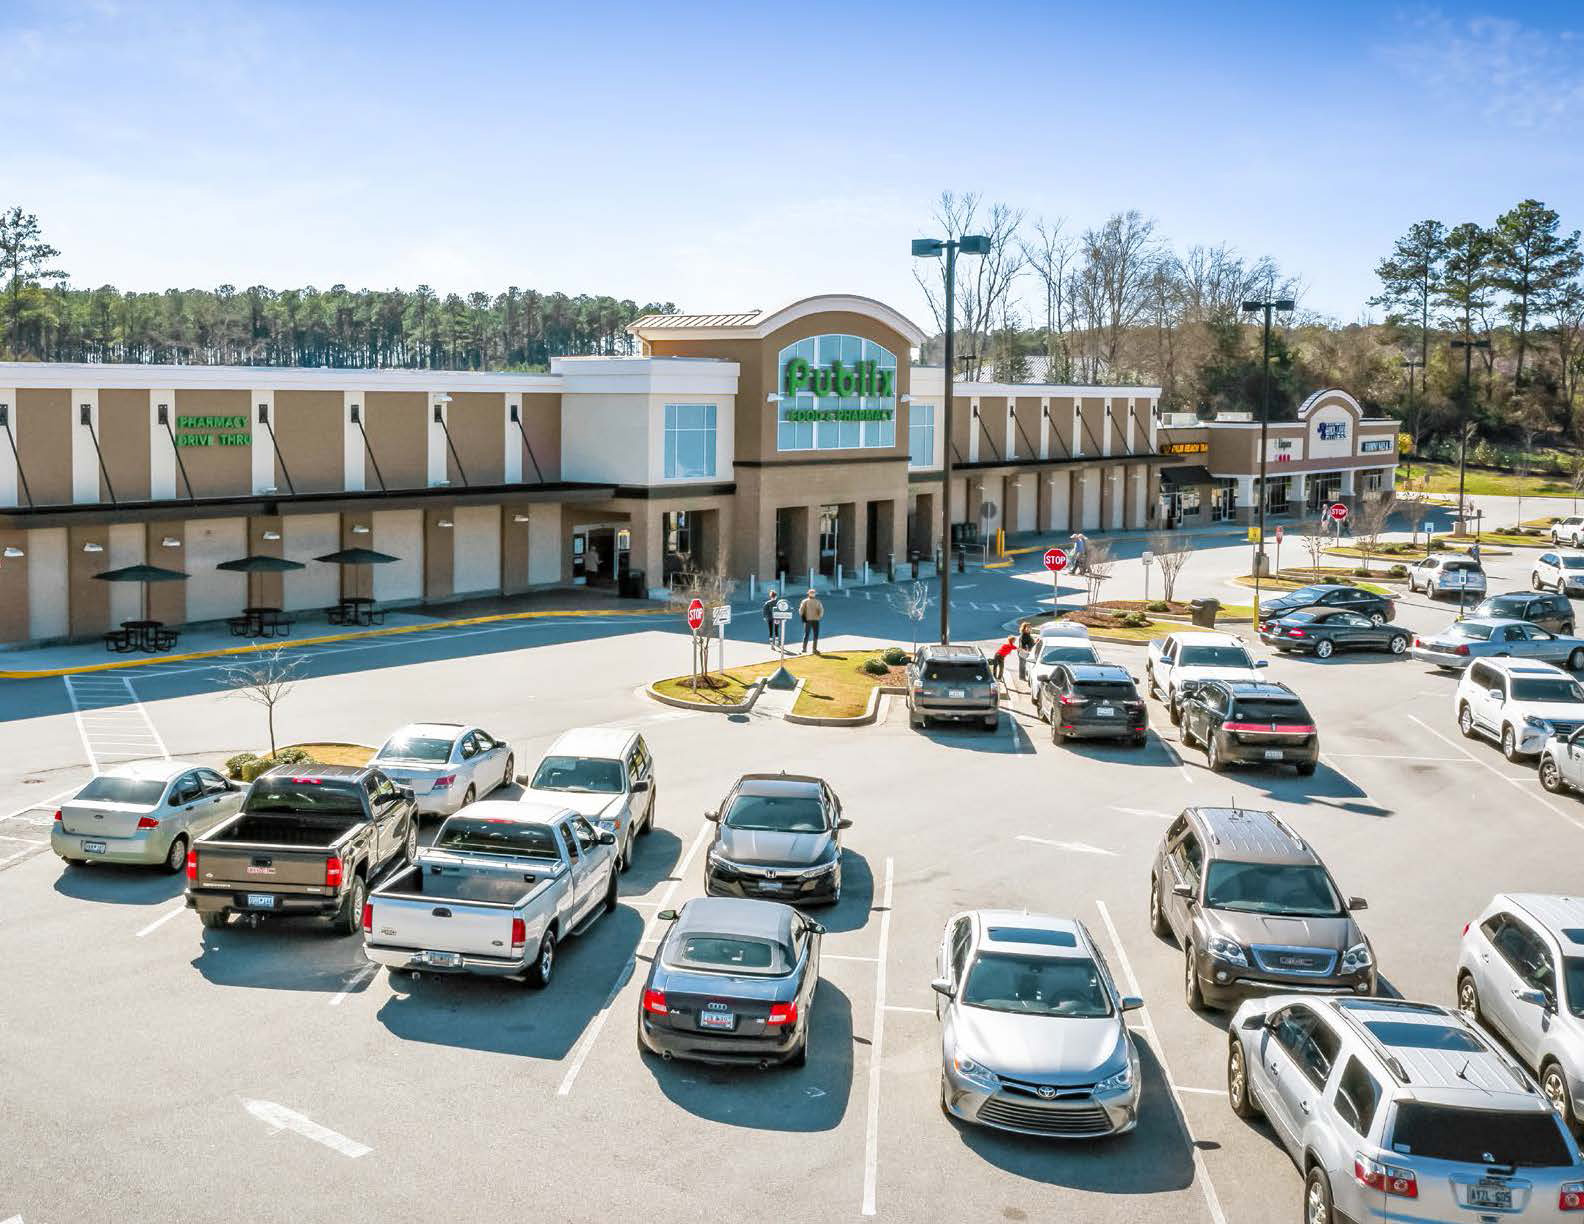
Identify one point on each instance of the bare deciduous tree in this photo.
(1118, 260)
(1413, 510)
(710, 585)
(1172, 550)
(1369, 522)
(1050, 258)
(983, 281)
(265, 680)
(1099, 561)
(1315, 544)
(912, 601)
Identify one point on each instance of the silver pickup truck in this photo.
(500, 887)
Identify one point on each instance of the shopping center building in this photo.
(795, 442)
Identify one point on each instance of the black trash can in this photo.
(1203, 612)
(632, 585)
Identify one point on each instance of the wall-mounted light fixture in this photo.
(92, 547)
(354, 409)
(85, 414)
(12, 552)
(162, 414)
(907, 399)
(360, 529)
(511, 412)
(269, 489)
(519, 518)
(170, 542)
(445, 524)
(263, 414)
(271, 535)
(5, 414)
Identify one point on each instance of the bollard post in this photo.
(914, 561)
(838, 575)
(750, 588)
(810, 586)
(962, 560)
(866, 574)
(891, 567)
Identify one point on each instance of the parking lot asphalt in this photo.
(157, 1071)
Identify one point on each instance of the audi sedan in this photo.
(732, 982)
(777, 836)
(447, 765)
(1033, 1034)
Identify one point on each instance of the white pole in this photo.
(838, 575)
(723, 646)
(750, 588)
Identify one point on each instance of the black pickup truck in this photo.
(308, 840)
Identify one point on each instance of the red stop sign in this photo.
(695, 614)
(1055, 560)
(1337, 512)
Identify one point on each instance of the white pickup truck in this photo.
(502, 885)
(1197, 655)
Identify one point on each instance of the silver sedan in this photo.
(447, 765)
(145, 812)
(1487, 637)
(1033, 1038)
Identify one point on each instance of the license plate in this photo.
(717, 1019)
(1273, 754)
(93, 847)
(443, 960)
(957, 694)
(1105, 712)
(1490, 1196)
(260, 901)
(770, 887)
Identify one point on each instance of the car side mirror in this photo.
(1535, 998)
(642, 784)
(407, 793)
(1261, 662)
(1183, 890)
(715, 816)
(1494, 694)
(1357, 903)
(844, 824)
(667, 915)
(812, 927)
(1131, 1003)
(943, 987)
(1253, 1023)
(606, 837)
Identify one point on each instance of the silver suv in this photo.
(1521, 975)
(1400, 1111)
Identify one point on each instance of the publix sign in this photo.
(865, 379)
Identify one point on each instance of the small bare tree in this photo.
(912, 601)
(1413, 510)
(265, 680)
(1098, 564)
(1369, 522)
(1315, 544)
(1172, 550)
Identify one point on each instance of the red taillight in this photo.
(1417, 643)
(57, 815)
(368, 917)
(1271, 728)
(147, 822)
(1071, 701)
(1466, 926)
(1296, 633)
(443, 783)
(782, 1013)
(192, 866)
(1393, 1179)
(519, 933)
(309, 781)
(333, 870)
(654, 1001)
(1571, 1197)
(1460, 650)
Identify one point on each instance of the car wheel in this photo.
(1149, 681)
(349, 918)
(1430, 591)
(1317, 1198)
(510, 775)
(799, 1056)
(992, 722)
(1213, 756)
(1186, 734)
(1377, 619)
(1057, 737)
(1157, 916)
(624, 859)
(1575, 660)
(176, 856)
(1192, 993)
(1324, 648)
(1306, 769)
(914, 721)
(213, 919)
(611, 895)
(1398, 644)
(1535, 583)
(410, 850)
(1466, 721)
(1237, 1082)
(469, 797)
(1468, 997)
(1138, 741)
(1509, 743)
(539, 973)
(1550, 774)
(1553, 1082)
(1174, 711)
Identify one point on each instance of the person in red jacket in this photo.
(998, 660)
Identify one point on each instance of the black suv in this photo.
(1552, 612)
(1249, 722)
(1093, 701)
(1378, 608)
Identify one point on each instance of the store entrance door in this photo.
(829, 534)
(1323, 490)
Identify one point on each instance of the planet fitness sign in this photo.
(864, 379)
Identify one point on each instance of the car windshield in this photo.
(1527, 1139)
(1303, 595)
(498, 836)
(591, 775)
(1069, 652)
(1215, 656)
(1037, 986)
(1478, 633)
(1573, 983)
(108, 789)
(1544, 688)
(966, 672)
(318, 796)
(1265, 710)
(1271, 888)
(735, 954)
(417, 748)
(1573, 563)
(777, 813)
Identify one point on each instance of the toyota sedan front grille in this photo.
(1046, 1120)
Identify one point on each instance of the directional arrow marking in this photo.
(1076, 847)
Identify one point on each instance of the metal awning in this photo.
(1189, 474)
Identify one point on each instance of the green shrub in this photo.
(253, 768)
(1158, 605)
(1134, 620)
(293, 756)
(237, 766)
(875, 667)
(1399, 571)
(894, 656)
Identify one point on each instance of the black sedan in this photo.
(1323, 632)
(1094, 701)
(1377, 608)
(778, 837)
(732, 982)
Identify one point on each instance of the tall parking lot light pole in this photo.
(1267, 306)
(1468, 344)
(934, 248)
(1411, 364)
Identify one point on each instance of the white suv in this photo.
(1518, 704)
(1568, 531)
(1196, 655)
(1400, 1111)
(1560, 571)
(1051, 648)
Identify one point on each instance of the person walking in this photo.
(1080, 551)
(1474, 550)
(1025, 648)
(998, 660)
(811, 612)
(769, 615)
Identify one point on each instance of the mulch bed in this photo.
(1098, 618)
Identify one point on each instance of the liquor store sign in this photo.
(201, 431)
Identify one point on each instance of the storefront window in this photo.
(689, 441)
(836, 393)
(921, 435)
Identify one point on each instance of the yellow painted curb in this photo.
(323, 639)
(997, 565)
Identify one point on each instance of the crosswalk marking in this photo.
(113, 725)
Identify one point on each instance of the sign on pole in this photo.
(721, 614)
(1279, 533)
(695, 614)
(1146, 558)
(1337, 512)
(1055, 560)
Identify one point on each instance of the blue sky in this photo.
(742, 155)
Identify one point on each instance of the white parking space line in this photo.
(279, 1118)
(591, 1034)
(1142, 812)
(1177, 756)
(1076, 847)
(42, 803)
(22, 854)
(26, 841)
(872, 1127)
(358, 978)
(162, 919)
(1396, 756)
(1201, 1171)
(1215, 1092)
(868, 960)
(1520, 783)
(111, 721)
(917, 1011)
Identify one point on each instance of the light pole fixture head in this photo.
(1285, 304)
(1251, 307)
(974, 244)
(928, 248)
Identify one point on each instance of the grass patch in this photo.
(1492, 541)
(336, 754)
(1542, 524)
(1289, 584)
(1443, 478)
(835, 684)
(727, 689)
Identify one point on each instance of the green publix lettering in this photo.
(836, 379)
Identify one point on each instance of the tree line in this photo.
(47, 319)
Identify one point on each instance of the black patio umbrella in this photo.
(257, 564)
(144, 574)
(359, 556)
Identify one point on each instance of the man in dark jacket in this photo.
(769, 615)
